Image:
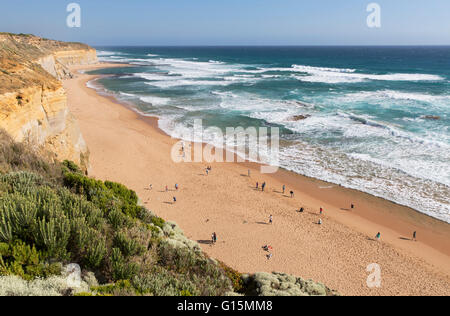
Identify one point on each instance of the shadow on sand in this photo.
(205, 242)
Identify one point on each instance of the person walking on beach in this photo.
(257, 185)
(352, 206)
(320, 221)
(292, 194)
(263, 186)
(415, 236)
(174, 200)
(176, 186)
(270, 219)
(378, 236)
(214, 238)
(321, 211)
(284, 188)
(207, 171)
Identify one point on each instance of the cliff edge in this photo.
(33, 103)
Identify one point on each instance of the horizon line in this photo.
(269, 45)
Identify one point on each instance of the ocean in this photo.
(375, 119)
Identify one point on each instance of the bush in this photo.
(127, 246)
(95, 254)
(120, 288)
(121, 268)
(235, 277)
(105, 195)
(25, 261)
(70, 166)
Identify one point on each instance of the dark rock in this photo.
(300, 117)
(431, 117)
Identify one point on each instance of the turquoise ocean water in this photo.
(376, 119)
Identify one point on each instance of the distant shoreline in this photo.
(372, 214)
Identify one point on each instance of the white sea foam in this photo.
(101, 53)
(155, 100)
(91, 84)
(395, 95)
(310, 69)
(335, 75)
(362, 172)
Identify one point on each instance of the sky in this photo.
(232, 22)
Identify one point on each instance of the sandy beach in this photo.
(128, 148)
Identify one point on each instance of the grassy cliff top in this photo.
(18, 53)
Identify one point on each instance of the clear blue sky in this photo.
(232, 22)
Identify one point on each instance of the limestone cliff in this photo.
(33, 103)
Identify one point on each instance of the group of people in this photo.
(268, 248)
(414, 236)
(263, 186)
(166, 189)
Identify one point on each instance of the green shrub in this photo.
(235, 277)
(83, 294)
(96, 253)
(54, 236)
(121, 288)
(106, 196)
(25, 261)
(121, 268)
(70, 166)
(128, 247)
(158, 221)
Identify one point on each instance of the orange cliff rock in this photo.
(33, 103)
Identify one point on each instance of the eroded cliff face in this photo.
(33, 103)
(56, 64)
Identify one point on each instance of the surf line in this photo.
(328, 187)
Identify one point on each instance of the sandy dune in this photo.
(130, 149)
